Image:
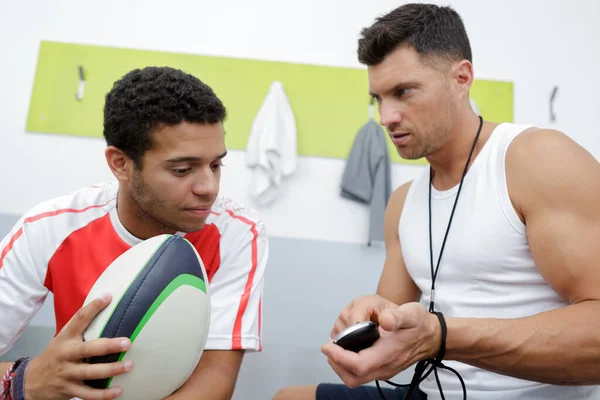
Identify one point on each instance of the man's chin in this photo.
(189, 228)
(408, 154)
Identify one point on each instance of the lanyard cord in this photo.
(435, 272)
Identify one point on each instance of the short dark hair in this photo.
(436, 33)
(144, 99)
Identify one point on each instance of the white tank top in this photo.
(486, 270)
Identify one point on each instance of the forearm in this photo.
(558, 347)
(398, 288)
(213, 391)
(213, 379)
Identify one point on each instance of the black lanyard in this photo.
(435, 272)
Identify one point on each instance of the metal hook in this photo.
(81, 87)
(552, 97)
(372, 107)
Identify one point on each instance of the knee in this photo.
(296, 393)
(282, 394)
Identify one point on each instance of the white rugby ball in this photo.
(161, 301)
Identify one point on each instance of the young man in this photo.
(165, 137)
(514, 229)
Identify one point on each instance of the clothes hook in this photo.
(372, 107)
(81, 87)
(552, 97)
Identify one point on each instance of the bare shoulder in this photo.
(536, 153)
(546, 163)
(394, 208)
(401, 192)
(547, 146)
(398, 197)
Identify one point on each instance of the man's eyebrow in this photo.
(192, 159)
(397, 86)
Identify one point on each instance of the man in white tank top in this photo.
(515, 210)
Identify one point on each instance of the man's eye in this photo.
(402, 92)
(181, 171)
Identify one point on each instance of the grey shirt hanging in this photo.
(367, 176)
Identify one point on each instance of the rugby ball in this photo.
(161, 301)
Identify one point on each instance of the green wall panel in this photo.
(330, 103)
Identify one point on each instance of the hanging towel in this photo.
(272, 145)
(367, 176)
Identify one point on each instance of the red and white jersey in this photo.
(63, 245)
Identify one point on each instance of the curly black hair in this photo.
(144, 99)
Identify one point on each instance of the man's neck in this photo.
(448, 163)
(134, 220)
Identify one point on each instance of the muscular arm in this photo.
(395, 284)
(555, 187)
(214, 378)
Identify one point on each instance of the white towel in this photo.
(272, 145)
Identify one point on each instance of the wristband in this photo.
(18, 385)
(442, 351)
(5, 385)
(8, 380)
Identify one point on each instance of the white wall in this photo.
(535, 43)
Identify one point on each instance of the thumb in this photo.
(405, 316)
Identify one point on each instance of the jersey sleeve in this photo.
(236, 289)
(22, 290)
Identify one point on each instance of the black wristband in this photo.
(442, 352)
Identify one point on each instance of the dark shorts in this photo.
(329, 391)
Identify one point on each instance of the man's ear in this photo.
(119, 163)
(463, 76)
